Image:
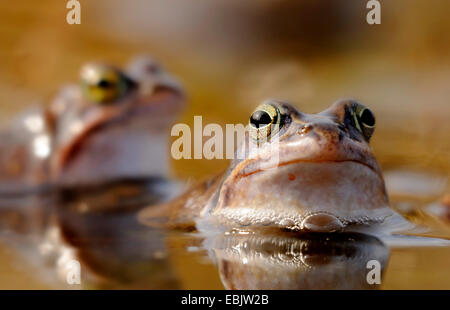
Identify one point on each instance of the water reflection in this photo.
(115, 250)
(315, 261)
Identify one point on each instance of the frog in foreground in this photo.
(316, 173)
(113, 124)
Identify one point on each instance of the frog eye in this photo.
(103, 84)
(264, 121)
(364, 120)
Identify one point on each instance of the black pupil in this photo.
(260, 119)
(104, 84)
(367, 118)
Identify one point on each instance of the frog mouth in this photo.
(315, 161)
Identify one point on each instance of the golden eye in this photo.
(103, 84)
(364, 120)
(264, 121)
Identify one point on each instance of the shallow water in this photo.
(116, 251)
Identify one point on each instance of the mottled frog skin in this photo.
(113, 124)
(317, 173)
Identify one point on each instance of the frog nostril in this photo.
(305, 129)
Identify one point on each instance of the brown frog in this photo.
(300, 172)
(114, 123)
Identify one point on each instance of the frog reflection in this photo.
(310, 261)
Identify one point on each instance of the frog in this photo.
(96, 227)
(309, 173)
(112, 124)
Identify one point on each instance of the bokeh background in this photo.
(232, 54)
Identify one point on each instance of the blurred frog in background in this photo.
(113, 124)
(74, 174)
(296, 262)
